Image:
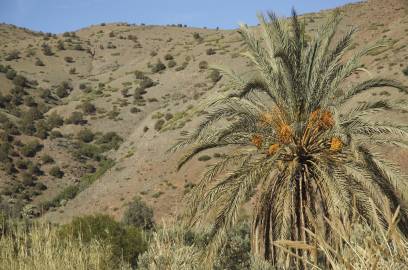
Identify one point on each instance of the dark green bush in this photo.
(126, 242)
(10, 74)
(86, 135)
(204, 158)
(139, 214)
(109, 140)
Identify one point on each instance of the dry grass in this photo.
(41, 248)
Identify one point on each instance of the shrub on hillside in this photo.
(139, 214)
(405, 71)
(203, 65)
(159, 66)
(215, 76)
(76, 118)
(88, 108)
(210, 51)
(31, 148)
(86, 135)
(38, 62)
(171, 63)
(20, 80)
(69, 59)
(168, 57)
(13, 55)
(46, 49)
(54, 120)
(56, 172)
(126, 242)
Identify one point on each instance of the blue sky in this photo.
(67, 15)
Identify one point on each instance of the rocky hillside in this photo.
(86, 117)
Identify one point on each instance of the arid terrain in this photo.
(88, 116)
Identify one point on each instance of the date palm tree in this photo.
(298, 144)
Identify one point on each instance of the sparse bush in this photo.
(30, 149)
(20, 80)
(215, 76)
(159, 66)
(46, 49)
(171, 63)
(139, 75)
(168, 57)
(54, 120)
(56, 172)
(39, 63)
(153, 53)
(88, 108)
(139, 214)
(405, 71)
(159, 124)
(72, 70)
(69, 59)
(135, 110)
(203, 65)
(13, 55)
(47, 159)
(126, 242)
(76, 118)
(210, 51)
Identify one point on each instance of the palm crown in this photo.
(296, 143)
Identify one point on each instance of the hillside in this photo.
(87, 116)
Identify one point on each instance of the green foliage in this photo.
(126, 242)
(138, 214)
